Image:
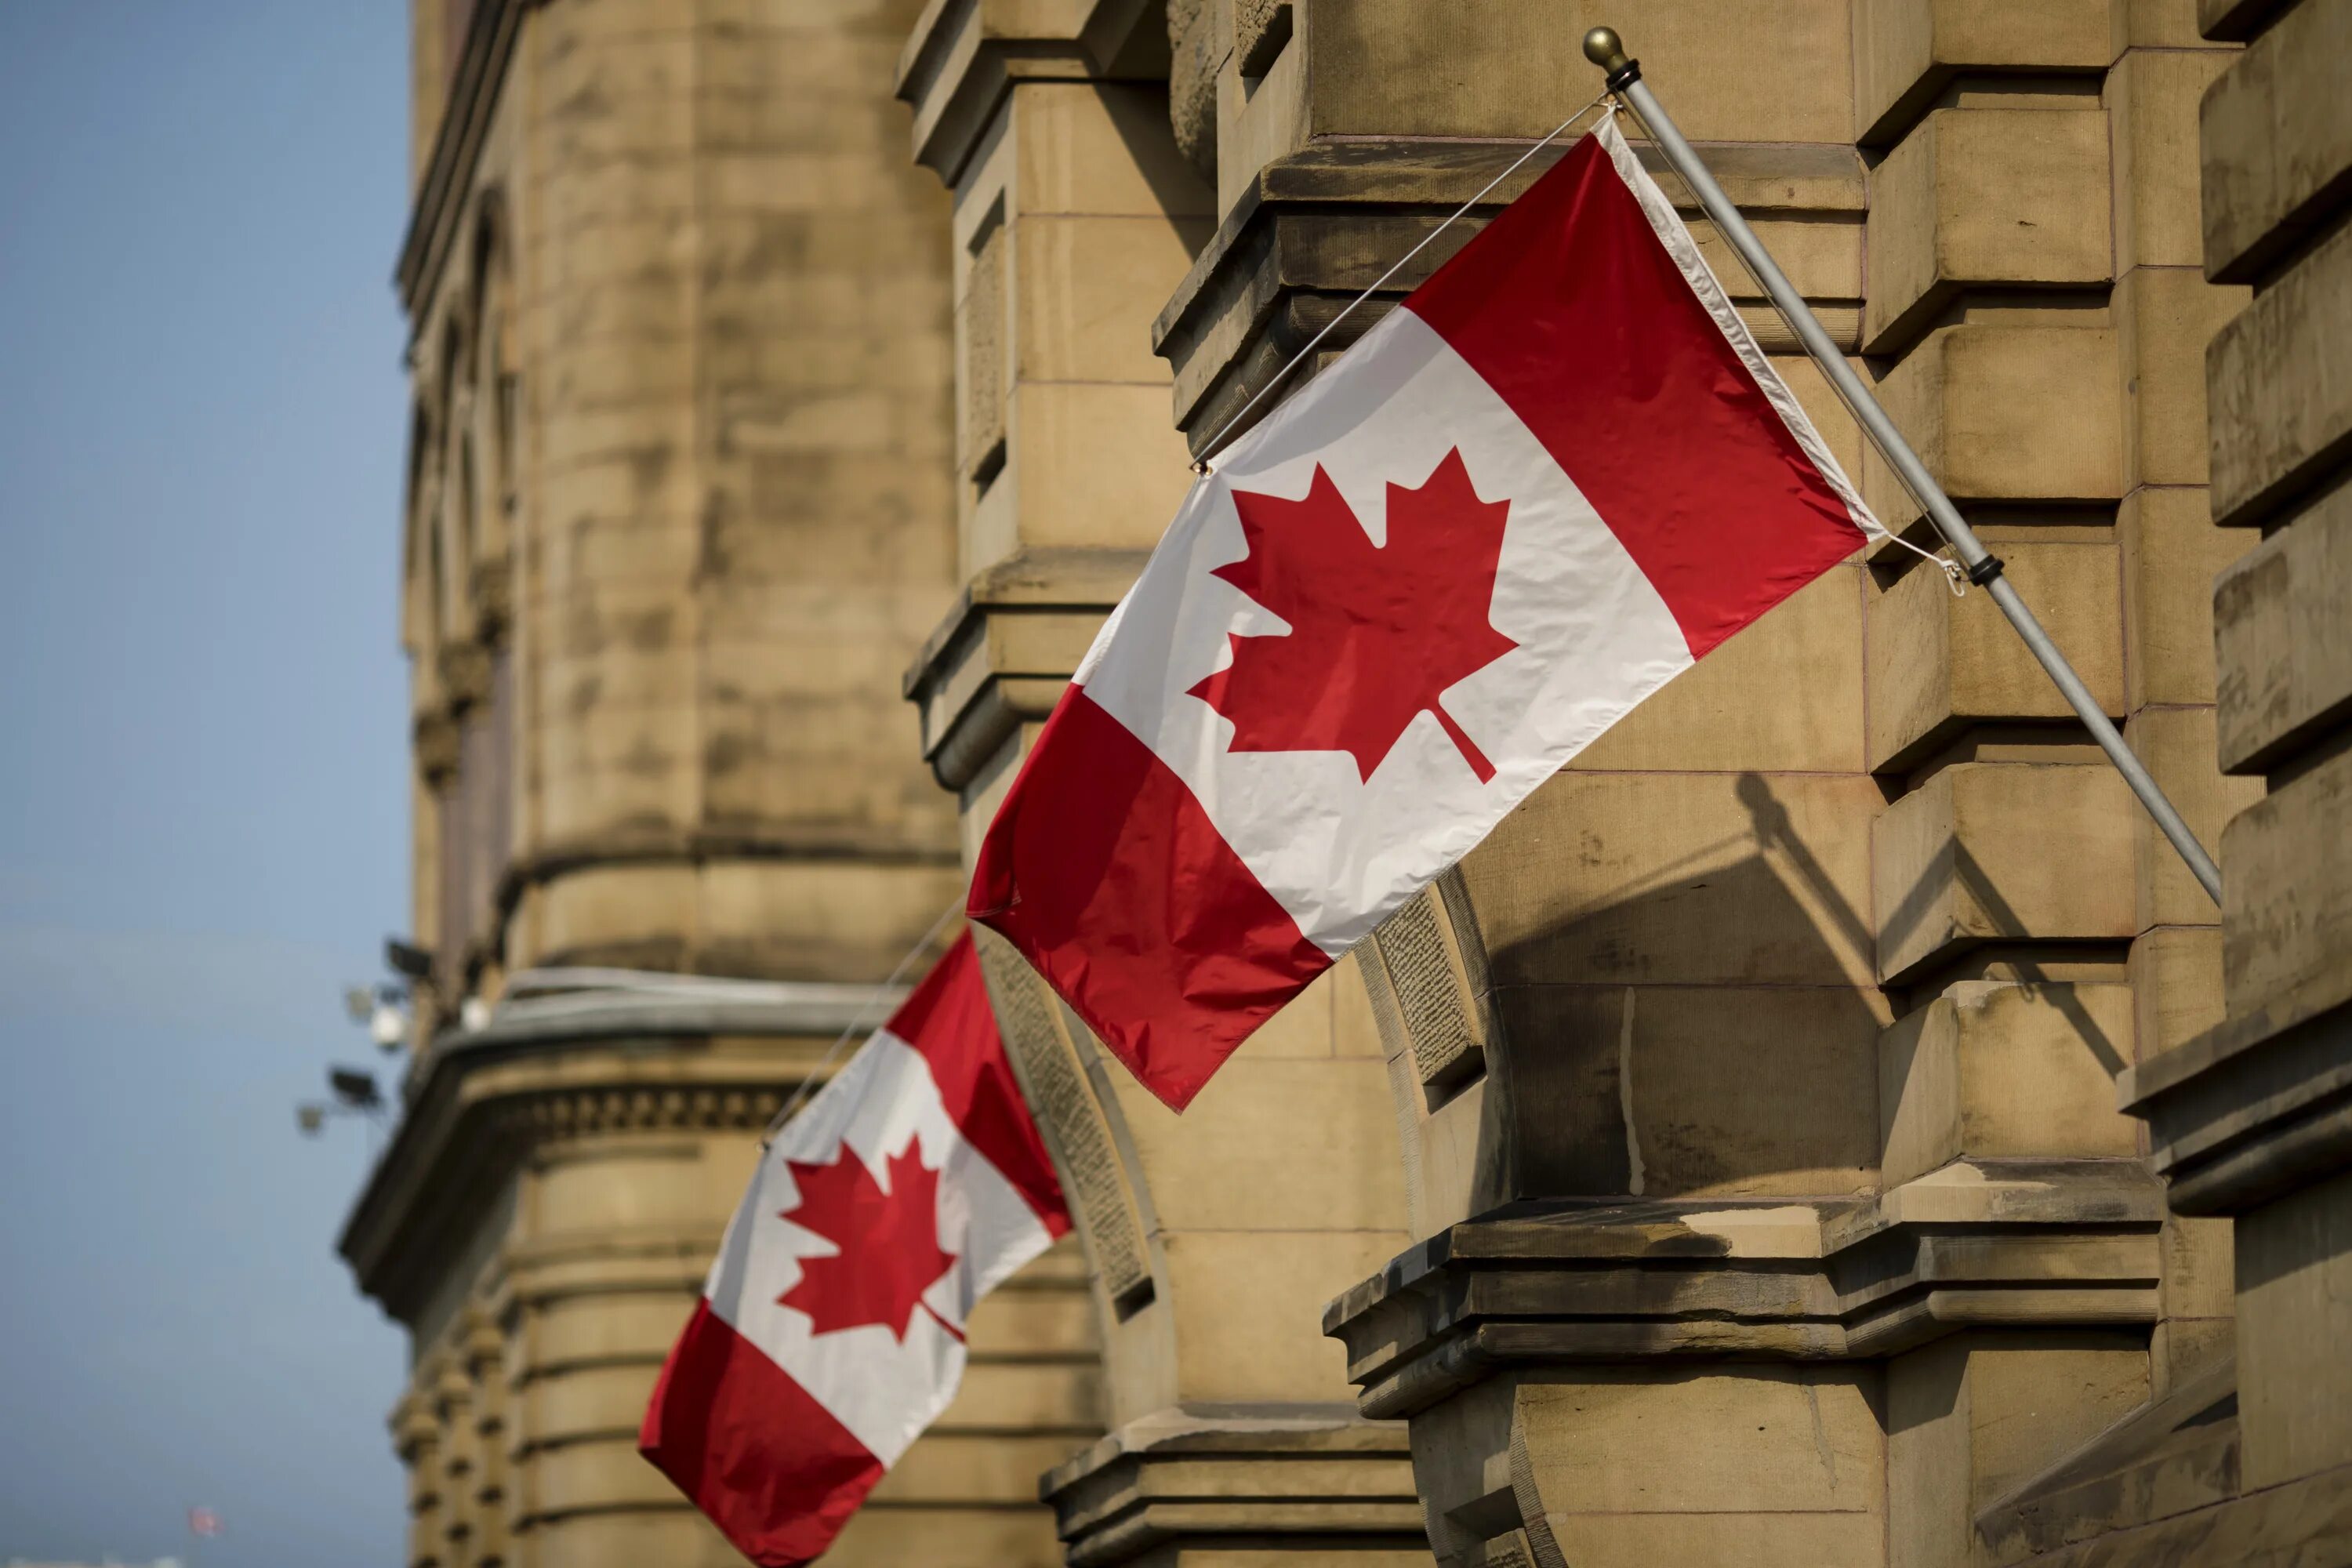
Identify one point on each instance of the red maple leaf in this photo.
(1376, 632)
(889, 1242)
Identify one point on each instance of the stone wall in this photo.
(1825, 1125)
(2247, 1119)
(1755, 1082)
(680, 509)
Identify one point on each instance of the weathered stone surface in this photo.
(1995, 1069)
(2294, 1270)
(1393, 67)
(2282, 411)
(2277, 137)
(1984, 198)
(1993, 850)
(1971, 1416)
(1791, 1472)
(1208, 1485)
(2176, 977)
(2177, 1455)
(2151, 95)
(2287, 884)
(1308, 230)
(2023, 1242)
(2283, 637)
(2171, 552)
(1940, 663)
(2003, 413)
(1643, 875)
(1906, 52)
(2176, 744)
(2164, 318)
(2237, 19)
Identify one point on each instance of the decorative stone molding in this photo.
(433, 741)
(1256, 1478)
(1432, 996)
(1315, 227)
(2254, 1109)
(1002, 655)
(1050, 1049)
(483, 1101)
(432, 224)
(964, 56)
(1977, 1244)
(465, 670)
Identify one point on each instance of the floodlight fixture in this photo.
(387, 1025)
(354, 1087)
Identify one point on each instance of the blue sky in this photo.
(202, 808)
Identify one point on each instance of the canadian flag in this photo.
(831, 1330)
(1560, 473)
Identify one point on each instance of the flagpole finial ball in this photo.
(1604, 48)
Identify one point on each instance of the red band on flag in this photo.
(1568, 305)
(1103, 870)
(775, 1472)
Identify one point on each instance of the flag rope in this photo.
(1216, 442)
(815, 1077)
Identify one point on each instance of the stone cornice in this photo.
(2023, 1243)
(964, 56)
(485, 1100)
(456, 147)
(1255, 1475)
(1318, 225)
(2254, 1107)
(1006, 649)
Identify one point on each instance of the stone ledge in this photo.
(2302, 1522)
(1315, 229)
(2283, 638)
(2169, 1457)
(1275, 1478)
(2276, 140)
(2279, 414)
(441, 192)
(1005, 650)
(963, 55)
(483, 1102)
(2009, 1243)
(2236, 21)
(2254, 1109)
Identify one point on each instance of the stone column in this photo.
(681, 509)
(1758, 1072)
(1210, 1242)
(2248, 1120)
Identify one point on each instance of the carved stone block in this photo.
(1984, 198)
(2003, 413)
(2282, 637)
(2277, 139)
(2281, 408)
(1984, 851)
(1940, 663)
(1906, 52)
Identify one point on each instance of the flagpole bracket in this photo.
(1604, 48)
(1986, 569)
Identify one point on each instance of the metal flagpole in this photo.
(1603, 49)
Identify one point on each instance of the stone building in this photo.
(679, 510)
(1825, 1125)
